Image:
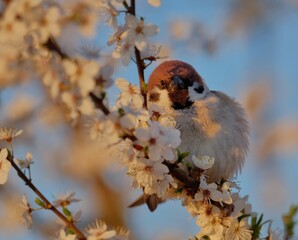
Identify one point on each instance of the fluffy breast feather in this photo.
(215, 126)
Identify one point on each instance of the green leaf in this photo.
(289, 222)
(253, 221)
(243, 216)
(103, 95)
(39, 202)
(189, 166)
(70, 231)
(145, 87)
(256, 226)
(178, 190)
(260, 219)
(67, 213)
(195, 238)
(146, 150)
(9, 154)
(181, 155)
(121, 112)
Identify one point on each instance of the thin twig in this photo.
(148, 64)
(125, 5)
(48, 204)
(132, 9)
(29, 170)
(99, 103)
(182, 176)
(141, 67)
(139, 61)
(53, 46)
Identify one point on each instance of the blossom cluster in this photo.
(220, 213)
(134, 34)
(145, 142)
(148, 143)
(145, 139)
(30, 31)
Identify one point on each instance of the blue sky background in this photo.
(268, 49)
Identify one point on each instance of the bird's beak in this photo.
(178, 82)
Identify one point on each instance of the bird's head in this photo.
(176, 84)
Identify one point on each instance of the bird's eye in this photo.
(199, 89)
(189, 83)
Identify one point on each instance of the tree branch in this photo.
(99, 103)
(139, 61)
(52, 45)
(48, 204)
(181, 176)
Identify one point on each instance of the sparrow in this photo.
(210, 122)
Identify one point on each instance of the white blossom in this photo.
(210, 221)
(118, 36)
(77, 105)
(124, 50)
(8, 134)
(203, 163)
(52, 73)
(160, 141)
(63, 236)
(25, 163)
(240, 204)
(162, 116)
(148, 172)
(112, 126)
(128, 121)
(208, 192)
(95, 129)
(65, 200)
(151, 52)
(110, 13)
(126, 153)
(25, 211)
(226, 193)
(11, 29)
(83, 14)
(121, 234)
(107, 128)
(137, 31)
(23, 6)
(46, 23)
(161, 187)
(130, 94)
(4, 166)
(82, 74)
(154, 108)
(238, 230)
(152, 176)
(98, 231)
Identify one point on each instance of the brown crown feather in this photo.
(168, 69)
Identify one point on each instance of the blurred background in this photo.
(247, 49)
